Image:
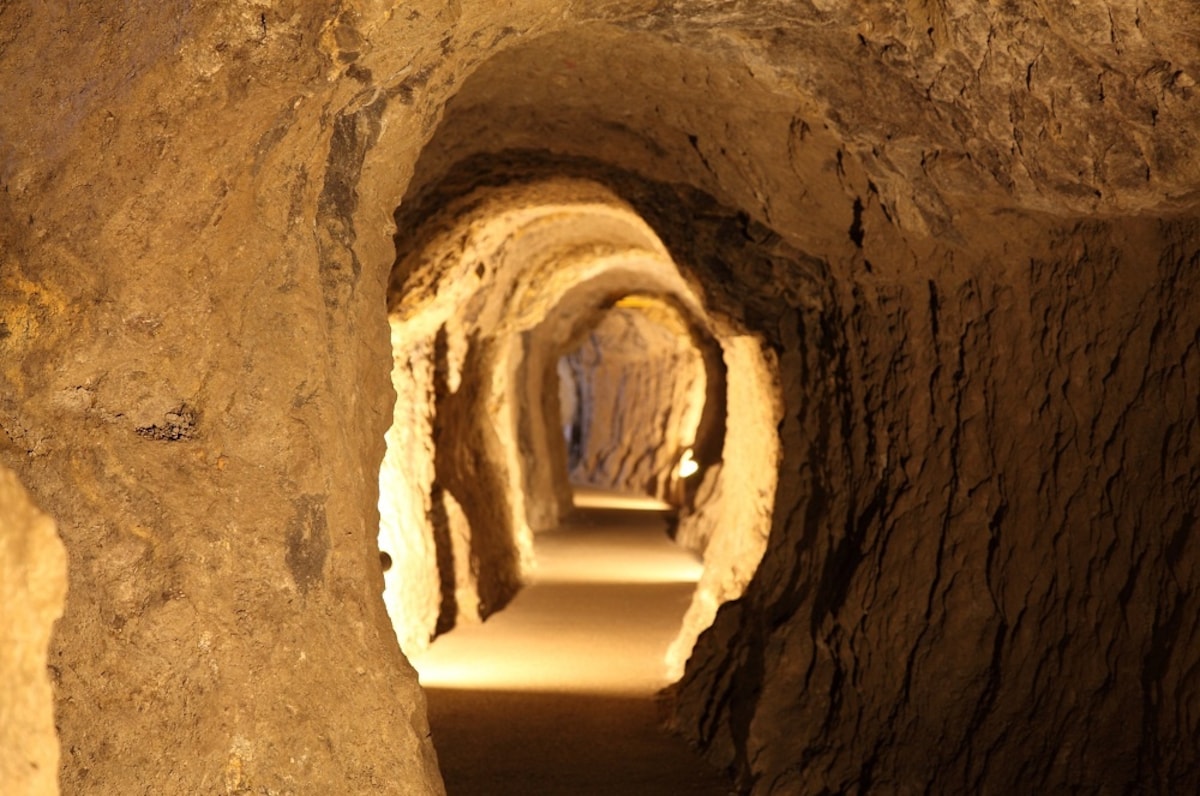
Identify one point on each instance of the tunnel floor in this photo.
(556, 694)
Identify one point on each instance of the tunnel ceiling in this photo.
(500, 259)
(582, 308)
(1063, 107)
(946, 114)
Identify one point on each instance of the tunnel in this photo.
(308, 312)
(523, 275)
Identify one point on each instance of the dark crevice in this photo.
(856, 226)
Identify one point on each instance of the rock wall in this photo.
(982, 574)
(193, 384)
(728, 517)
(422, 529)
(33, 587)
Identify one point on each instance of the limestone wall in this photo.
(982, 573)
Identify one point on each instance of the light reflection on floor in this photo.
(608, 596)
(591, 498)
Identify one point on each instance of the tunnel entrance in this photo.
(501, 288)
(525, 317)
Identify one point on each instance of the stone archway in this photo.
(517, 272)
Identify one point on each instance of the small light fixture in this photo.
(688, 466)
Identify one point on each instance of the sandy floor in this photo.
(556, 694)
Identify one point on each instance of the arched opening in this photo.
(490, 305)
(505, 288)
(506, 145)
(632, 404)
(637, 386)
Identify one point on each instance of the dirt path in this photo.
(556, 694)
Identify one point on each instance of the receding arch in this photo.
(502, 280)
(640, 386)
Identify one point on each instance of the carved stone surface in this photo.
(966, 233)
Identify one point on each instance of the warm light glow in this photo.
(591, 498)
(615, 566)
(606, 598)
(634, 301)
(468, 659)
(688, 466)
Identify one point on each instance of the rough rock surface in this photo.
(729, 517)
(193, 384)
(966, 232)
(33, 587)
(983, 555)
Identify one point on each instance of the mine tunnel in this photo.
(557, 347)
(566, 291)
(285, 287)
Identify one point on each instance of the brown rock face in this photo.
(194, 388)
(987, 578)
(949, 255)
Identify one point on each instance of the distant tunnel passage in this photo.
(510, 296)
(638, 386)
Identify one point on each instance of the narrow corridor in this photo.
(557, 693)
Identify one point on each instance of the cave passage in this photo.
(556, 694)
(284, 292)
(519, 307)
(631, 394)
(555, 623)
